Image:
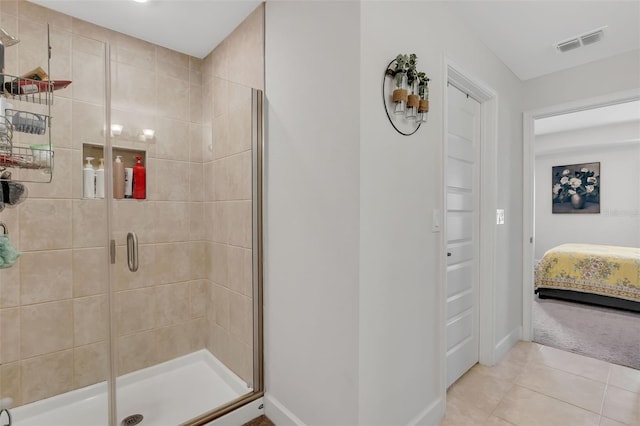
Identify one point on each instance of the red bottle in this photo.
(139, 180)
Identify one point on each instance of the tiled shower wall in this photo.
(53, 312)
(228, 74)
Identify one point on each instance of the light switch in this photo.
(500, 216)
(435, 224)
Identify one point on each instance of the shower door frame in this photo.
(257, 173)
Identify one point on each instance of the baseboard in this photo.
(278, 413)
(430, 416)
(509, 341)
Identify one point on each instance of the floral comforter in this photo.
(605, 270)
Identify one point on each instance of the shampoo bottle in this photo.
(100, 179)
(118, 178)
(128, 182)
(139, 180)
(88, 178)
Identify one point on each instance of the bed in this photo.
(597, 274)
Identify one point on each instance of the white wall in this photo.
(610, 75)
(619, 220)
(401, 182)
(353, 331)
(311, 211)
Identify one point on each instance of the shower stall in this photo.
(124, 311)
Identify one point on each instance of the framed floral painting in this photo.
(576, 188)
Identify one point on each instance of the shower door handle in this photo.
(132, 251)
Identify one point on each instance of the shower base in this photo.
(165, 394)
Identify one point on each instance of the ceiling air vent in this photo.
(584, 39)
(592, 37)
(568, 45)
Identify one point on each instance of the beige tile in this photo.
(195, 68)
(572, 363)
(45, 225)
(195, 103)
(497, 421)
(207, 103)
(480, 391)
(60, 40)
(567, 387)
(92, 31)
(87, 124)
(200, 294)
(525, 407)
(10, 335)
(172, 342)
(608, 422)
(220, 176)
(136, 52)
(209, 186)
(240, 99)
(89, 272)
(135, 310)
(239, 269)
(172, 304)
(240, 359)
(33, 41)
(137, 351)
(89, 223)
(133, 216)
(197, 261)
(46, 327)
(90, 318)
(60, 185)
(173, 99)
(207, 142)
(622, 405)
(59, 20)
(220, 344)
(33, 12)
(196, 222)
(217, 255)
(172, 140)
(10, 286)
(239, 169)
(238, 320)
(62, 113)
(220, 221)
(221, 304)
(88, 45)
(195, 143)
(88, 77)
(461, 413)
(220, 96)
(47, 375)
(240, 129)
(172, 63)
(196, 182)
(240, 224)
(146, 274)
(198, 331)
(171, 220)
(90, 364)
(46, 276)
(11, 381)
(216, 63)
(133, 88)
(172, 263)
(172, 180)
(625, 378)
(245, 51)
(221, 137)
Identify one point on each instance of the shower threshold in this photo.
(165, 394)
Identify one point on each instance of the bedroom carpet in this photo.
(608, 334)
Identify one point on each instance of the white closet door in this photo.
(462, 175)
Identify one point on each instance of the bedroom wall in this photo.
(617, 148)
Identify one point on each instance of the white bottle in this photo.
(100, 179)
(128, 182)
(89, 179)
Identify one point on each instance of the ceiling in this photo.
(194, 27)
(523, 33)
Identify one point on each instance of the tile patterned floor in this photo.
(537, 385)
